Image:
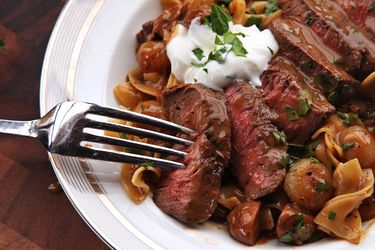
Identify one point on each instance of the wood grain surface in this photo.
(31, 217)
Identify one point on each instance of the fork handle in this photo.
(24, 128)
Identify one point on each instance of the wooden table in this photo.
(31, 217)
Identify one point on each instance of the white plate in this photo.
(90, 50)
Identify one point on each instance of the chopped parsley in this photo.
(205, 70)
(198, 52)
(123, 136)
(372, 8)
(314, 160)
(237, 48)
(284, 161)
(292, 114)
(299, 222)
(331, 215)
(254, 20)
(286, 238)
(147, 164)
(271, 7)
(198, 65)
(303, 106)
(271, 50)
(347, 146)
(218, 41)
(309, 19)
(219, 19)
(348, 118)
(322, 186)
(279, 136)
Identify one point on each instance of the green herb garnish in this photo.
(286, 238)
(254, 20)
(309, 19)
(346, 146)
(218, 41)
(284, 161)
(303, 106)
(292, 114)
(198, 52)
(205, 70)
(237, 48)
(331, 215)
(279, 136)
(314, 160)
(147, 164)
(199, 65)
(271, 50)
(271, 7)
(322, 186)
(372, 8)
(345, 118)
(299, 222)
(219, 19)
(123, 136)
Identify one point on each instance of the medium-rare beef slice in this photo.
(361, 13)
(330, 22)
(258, 148)
(301, 108)
(191, 194)
(306, 50)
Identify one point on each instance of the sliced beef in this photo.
(301, 108)
(361, 14)
(304, 48)
(197, 8)
(330, 22)
(258, 148)
(191, 194)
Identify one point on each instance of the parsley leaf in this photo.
(271, 50)
(347, 146)
(303, 107)
(198, 52)
(147, 164)
(219, 19)
(123, 136)
(229, 37)
(299, 222)
(322, 186)
(272, 6)
(286, 238)
(314, 160)
(309, 19)
(279, 136)
(292, 114)
(198, 65)
(284, 161)
(237, 48)
(331, 215)
(345, 118)
(372, 8)
(254, 20)
(218, 41)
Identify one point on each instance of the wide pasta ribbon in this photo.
(340, 216)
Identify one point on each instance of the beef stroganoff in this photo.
(280, 94)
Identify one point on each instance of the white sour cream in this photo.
(260, 45)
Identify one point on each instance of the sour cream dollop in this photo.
(260, 47)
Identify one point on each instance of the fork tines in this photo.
(117, 156)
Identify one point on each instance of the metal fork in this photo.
(65, 128)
